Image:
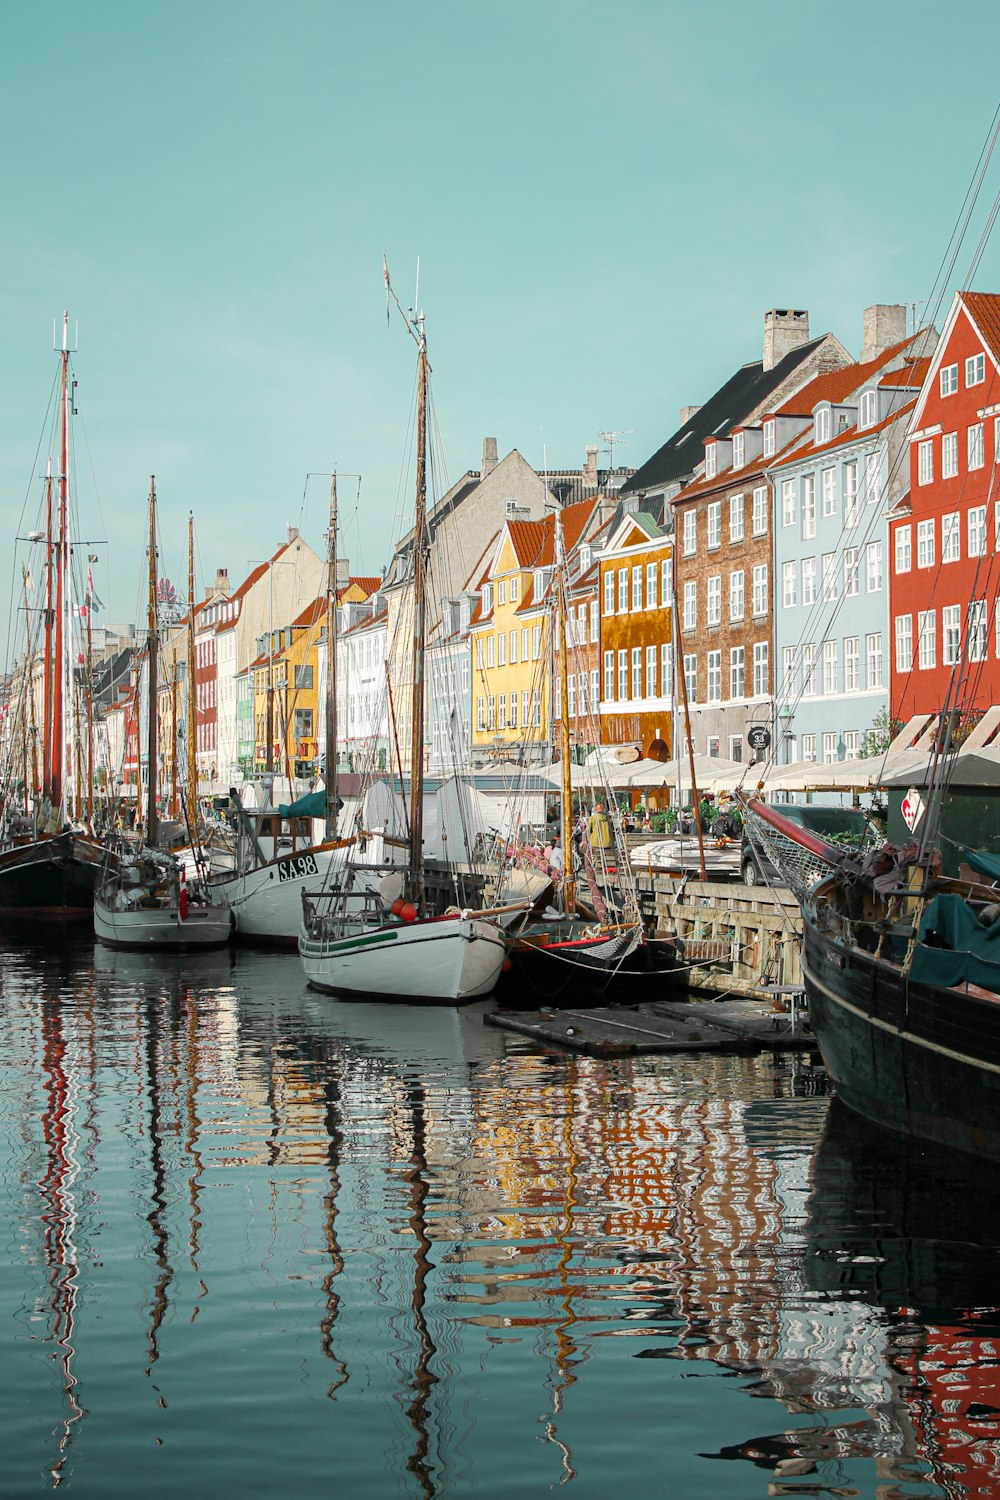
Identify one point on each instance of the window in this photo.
(735, 518)
(651, 661)
(711, 460)
(809, 670)
(788, 502)
(623, 591)
(948, 380)
(651, 585)
(821, 425)
(760, 589)
(788, 672)
(974, 439)
(760, 655)
(502, 599)
(713, 610)
(951, 546)
(873, 479)
(736, 748)
(594, 693)
(926, 638)
(904, 643)
(977, 630)
(736, 594)
(666, 582)
(808, 580)
(851, 493)
(829, 576)
(513, 600)
(690, 532)
(736, 672)
(513, 648)
(759, 519)
(714, 690)
(690, 604)
(831, 667)
(609, 592)
(977, 531)
(949, 455)
(851, 571)
(502, 709)
(808, 747)
(581, 628)
(768, 439)
(637, 588)
(829, 482)
(524, 708)
(873, 567)
(490, 650)
(465, 674)
(571, 695)
(524, 643)
(303, 676)
(868, 410)
(691, 678)
(502, 648)
(739, 450)
(536, 708)
(715, 525)
(303, 723)
(491, 713)
(925, 544)
(480, 714)
(513, 710)
(808, 506)
(594, 624)
(636, 671)
(873, 657)
(667, 669)
(904, 548)
(622, 675)
(852, 671)
(536, 643)
(789, 584)
(609, 675)
(925, 462)
(975, 369)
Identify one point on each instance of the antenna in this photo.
(611, 438)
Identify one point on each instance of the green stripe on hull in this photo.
(349, 945)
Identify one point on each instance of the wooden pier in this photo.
(738, 1025)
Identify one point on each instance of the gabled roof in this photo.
(731, 404)
(838, 385)
(849, 435)
(910, 377)
(754, 468)
(983, 311)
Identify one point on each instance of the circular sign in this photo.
(758, 738)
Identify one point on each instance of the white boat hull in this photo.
(450, 958)
(267, 902)
(160, 927)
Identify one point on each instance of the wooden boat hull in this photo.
(159, 928)
(52, 876)
(445, 959)
(918, 1058)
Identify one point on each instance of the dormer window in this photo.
(769, 439)
(822, 425)
(710, 461)
(739, 450)
(585, 559)
(868, 409)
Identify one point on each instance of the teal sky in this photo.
(605, 199)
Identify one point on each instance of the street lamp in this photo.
(785, 718)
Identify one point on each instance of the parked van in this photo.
(831, 823)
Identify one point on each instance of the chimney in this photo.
(293, 533)
(220, 589)
(687, 412)
(489, 457)
(884, 325)
(785, 329)
(343, 572)
(589, 475)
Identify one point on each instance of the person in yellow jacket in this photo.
(599, 828)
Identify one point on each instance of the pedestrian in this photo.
(556, 858)
(599, 828)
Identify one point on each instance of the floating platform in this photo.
(736, 1025)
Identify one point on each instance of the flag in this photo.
(92, 598)
(182, 898)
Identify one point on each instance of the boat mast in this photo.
(48, 658)
(420, 549)
(331, 665)
(192, 760)
(152, 645)
(566, 819)
(60, 643)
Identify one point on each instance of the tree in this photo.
(880, 736)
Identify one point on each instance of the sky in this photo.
(604, 198)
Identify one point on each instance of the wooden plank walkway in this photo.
(737, 1025)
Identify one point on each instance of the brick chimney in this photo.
(589, 474)
(489, 457)
(785, 329)
(687, 412)
(221, 588)
(884, 325)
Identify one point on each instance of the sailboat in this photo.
(142, 899)
(49, 864)
(381, 939)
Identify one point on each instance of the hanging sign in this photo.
(758, 738)
(912, 808)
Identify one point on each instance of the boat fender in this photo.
(408, 912)
(989, 914)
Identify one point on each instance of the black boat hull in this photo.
(921, 1059)
(53, 877)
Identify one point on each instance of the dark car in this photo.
(834, 823)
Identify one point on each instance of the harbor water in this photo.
(261, 1242)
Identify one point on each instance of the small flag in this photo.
(182, 898)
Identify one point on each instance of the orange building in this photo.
(637, 662)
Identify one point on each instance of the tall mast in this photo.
(60, 645)
(192, 760)
(48, 658)
(420, 548)
(331, 665)
(566, 820)
(152, 649)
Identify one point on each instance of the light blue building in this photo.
(831, 575)
(449, 688)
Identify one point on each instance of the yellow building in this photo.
(637, 664)
(509, 637)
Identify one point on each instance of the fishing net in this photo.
(798, 867)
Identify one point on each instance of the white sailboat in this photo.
(383, 941)
(142, 898)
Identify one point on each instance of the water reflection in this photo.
(403, 1238)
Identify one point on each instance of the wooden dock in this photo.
(735, 1025)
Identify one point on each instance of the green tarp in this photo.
(312, 805)
(971, 954)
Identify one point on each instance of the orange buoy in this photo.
(397, 906)
(408, 912)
